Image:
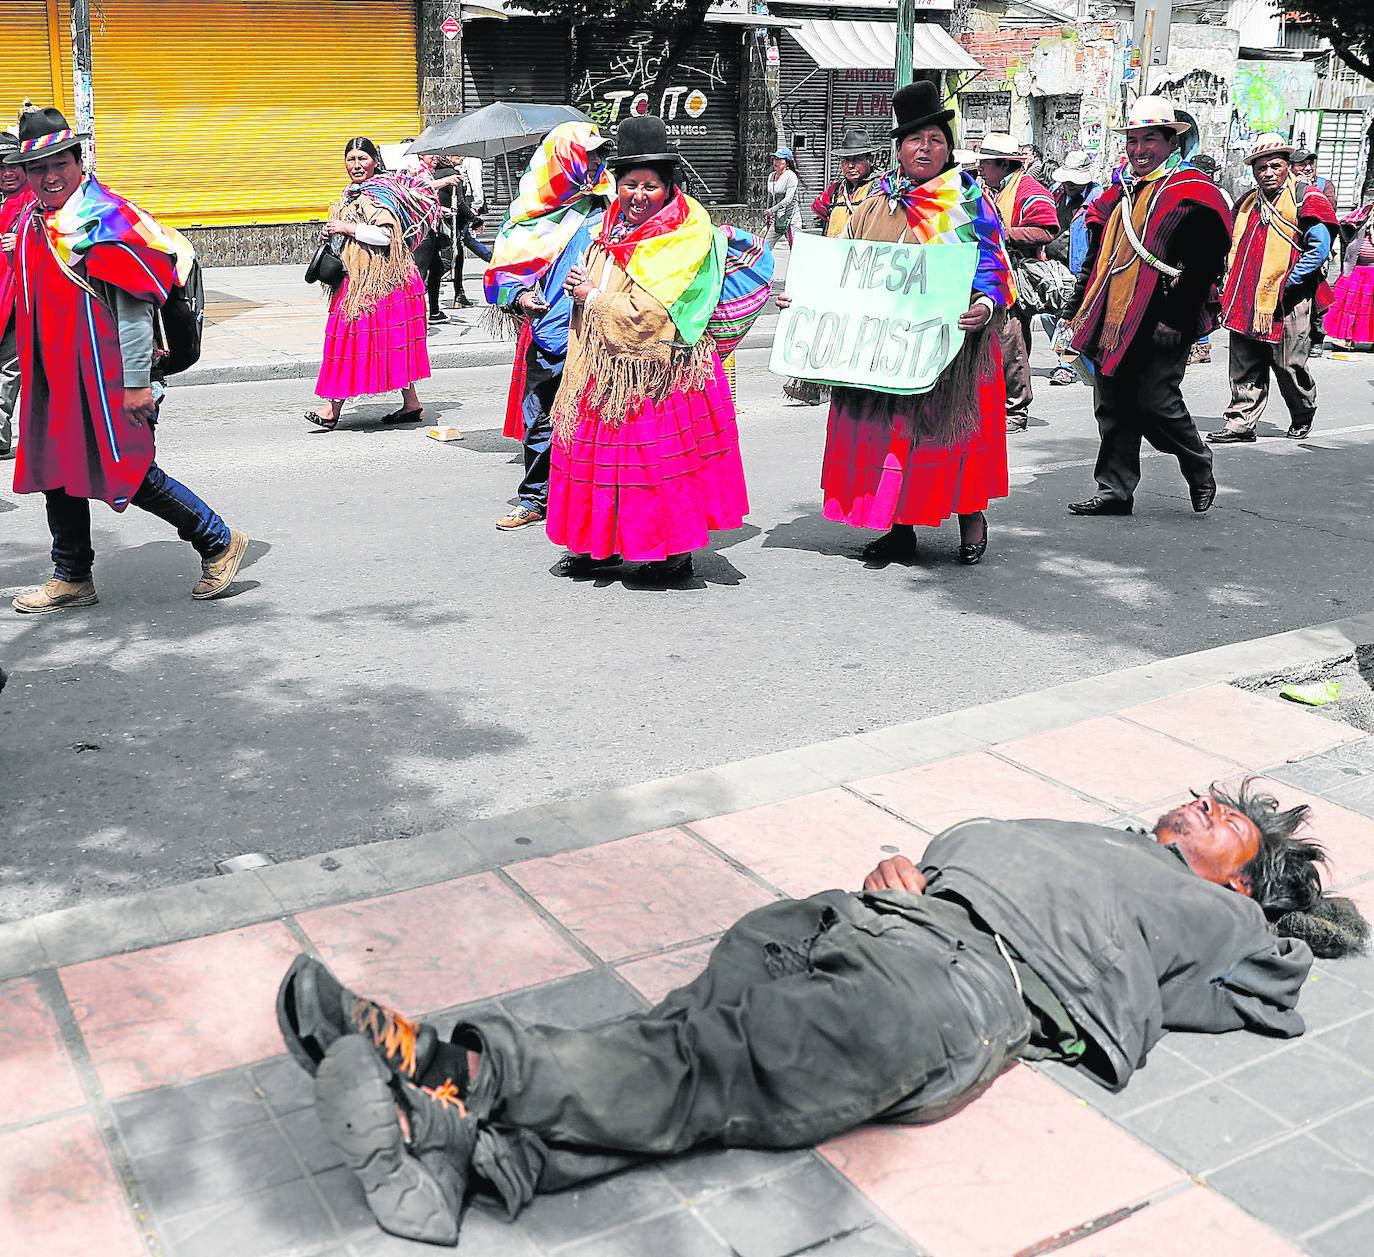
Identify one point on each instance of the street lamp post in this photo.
(906, 25)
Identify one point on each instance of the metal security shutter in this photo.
(1337, 135)
(236, 111)
(804, 95)
(701, 104)
(524, 59)
(31, 31)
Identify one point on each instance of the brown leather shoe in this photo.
(57, 595)
(217, 574)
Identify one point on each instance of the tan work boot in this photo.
(217, 574)
(57, 595)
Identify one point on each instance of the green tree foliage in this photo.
(1347, 24)
(676, 20)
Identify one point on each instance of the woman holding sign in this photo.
(646, 456)
(894, 461)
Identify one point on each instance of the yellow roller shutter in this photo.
(35, 41)
(222, 112)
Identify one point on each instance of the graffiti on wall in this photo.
(1265, 95)
(617, 89)
(1197, 87)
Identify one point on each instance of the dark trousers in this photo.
(69, 521)
(812, 1016)
(541, 386)
(466, 241)
(1016, 372)
(1144, 400)
(1251, 363)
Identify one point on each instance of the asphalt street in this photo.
(390, 663)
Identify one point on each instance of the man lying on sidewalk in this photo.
(1030, 938)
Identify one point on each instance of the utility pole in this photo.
(906, 25)
(83, 99)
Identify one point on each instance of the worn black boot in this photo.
(409, 1147)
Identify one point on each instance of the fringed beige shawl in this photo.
(374, 271)
(623, 350)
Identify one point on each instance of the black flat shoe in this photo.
(664, 572)
(1295, 433)
(1099, 505)
(895, 545)
(971, 554)
(1224, 436)
(403, 416)
(1203, 496)
(583, 564)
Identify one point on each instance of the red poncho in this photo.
(11, 210)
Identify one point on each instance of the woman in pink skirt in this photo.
(646, 458)
(1350, 320)
(374, 340)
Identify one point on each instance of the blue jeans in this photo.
(69, 521)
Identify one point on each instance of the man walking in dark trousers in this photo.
(1275, 291)
(1157, 246)
(901, 1003)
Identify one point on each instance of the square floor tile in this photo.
(582, 1212)
(1350, 1133)
(1306, 1084)
(181, 1011)
(1212, 1225)
(1253, 730)
(36, 1074)
(59, 1193)
(440, 945)
(656, 975)
(1354, 1235)
(1120, 763)
(676, 1234)
(824, 841)
(1296, 1185)
(283, 1221)
(639, 894)
(990, 1180)
(589, 999)
(936, 796)
(1210, 1126)
(150, 1121)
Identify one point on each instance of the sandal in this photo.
(322, 421)
(403, 416)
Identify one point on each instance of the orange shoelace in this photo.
(449, 1095)
(389, 1030)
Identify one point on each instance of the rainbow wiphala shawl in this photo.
(559, 188)
(952, 208)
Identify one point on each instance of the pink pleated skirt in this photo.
(382, 349)
(656, 484)
(1351, 317)
(874, 475)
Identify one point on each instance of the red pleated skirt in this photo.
(1351, 318)
(874, 475)
(654, 485)
(382, 349)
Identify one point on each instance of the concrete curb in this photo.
(210, 905)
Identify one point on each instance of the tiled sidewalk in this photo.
(145, 1106)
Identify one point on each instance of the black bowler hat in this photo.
(642, 141)
(43, 133)
(855, 144)
(918, 105)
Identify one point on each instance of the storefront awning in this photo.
(721, 13)
(870, 45)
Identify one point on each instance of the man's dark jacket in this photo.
(1124, 933)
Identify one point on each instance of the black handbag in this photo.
(327, 267)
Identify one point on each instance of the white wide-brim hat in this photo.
(999, 146)
(1153, 111)
(1077, 168)
(1269, 145)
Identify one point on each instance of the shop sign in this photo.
(616, 89)
(450, 26)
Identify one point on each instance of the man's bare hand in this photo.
(1166, 338)
(138, 405)
(979, 314)
(897, 873)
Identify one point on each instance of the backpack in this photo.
(181, 324)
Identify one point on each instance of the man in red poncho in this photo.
(92, 270)
(1282, 239)
(1157, 241)
(15, 198)
(1029, 222)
